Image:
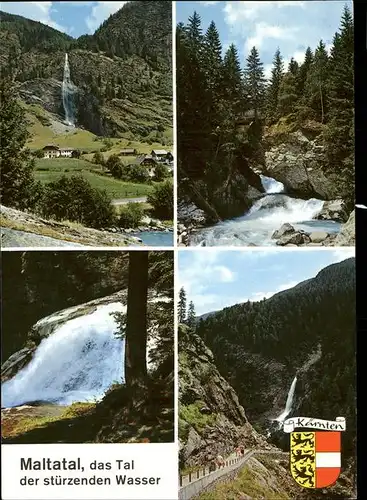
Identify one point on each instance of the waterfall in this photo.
(67, 95)
(271, 186)
(78, 362)
(289, 402)
(266, 215)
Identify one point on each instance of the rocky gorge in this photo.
(243, 370)
(302, 205)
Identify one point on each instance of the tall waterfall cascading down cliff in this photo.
(67, 95)
(79, 361)
(266, 215)
(289, 403)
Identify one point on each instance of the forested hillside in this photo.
(229, 114)
(259, 347)
(122, 71)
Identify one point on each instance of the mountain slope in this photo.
(122, 73)
(308, 330)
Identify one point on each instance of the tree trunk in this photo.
(201, 202)
(136, 320)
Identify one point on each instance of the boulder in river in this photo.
(285, 229)
(332, 210)
(318, 236)
(296, 238)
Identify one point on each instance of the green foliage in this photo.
(161, 200)
(130, 215)
(28, 285)
(134, 81)
(213, 96)
(272, 97)
(254, 81)
(161, 172)
(76, 153)
(98, 158)
(38, 153)
(135, 173)
(250, 340)
(73, 198)
(339, 132)
(114, 165)
(250, 481)
(191, 316)
(182, 306)
(192, 415)
(18, 187)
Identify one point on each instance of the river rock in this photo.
(296, 238)
(298, 162)
(346, 237)
(16, 362)
(332, 210)
(285, 229)
(318, 236)
(190, 212)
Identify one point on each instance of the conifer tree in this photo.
(287, 96)
(232, 79)
(303, 71)
(339, 133)
(273, 89)
(254, 81)
(182, 306)
(315, 92)
(293, 67)
(191, 316)
(213, 59)
(18, 187)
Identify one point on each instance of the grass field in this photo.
(51, 169)
(44, 129)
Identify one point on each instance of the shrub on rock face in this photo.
(131, 215)
(74, 199)
(162, 200)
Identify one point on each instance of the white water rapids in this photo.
(266, 215)
(68, 89)
(78, 362)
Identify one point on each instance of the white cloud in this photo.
(340, 254)
(290, 26)
(236, 12)
(208, 2)
(202, 271)
(264, 31)
(37, 11)
(78, 4)
(100, 12)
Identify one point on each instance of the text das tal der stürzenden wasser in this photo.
(121, 467)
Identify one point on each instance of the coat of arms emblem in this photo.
(315, 455)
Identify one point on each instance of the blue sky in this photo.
(214, 279)
(289, 25)
(73, 18)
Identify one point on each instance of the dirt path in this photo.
(125, 201)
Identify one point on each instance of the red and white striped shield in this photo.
(315, 458)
